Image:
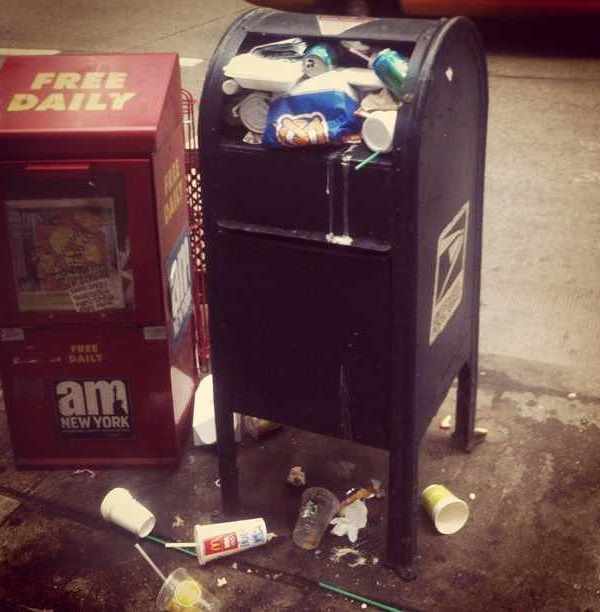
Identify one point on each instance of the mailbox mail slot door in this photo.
(302, 333)
(80, 240)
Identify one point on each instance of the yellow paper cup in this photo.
(448, 512)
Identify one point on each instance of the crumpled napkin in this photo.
(352, 519)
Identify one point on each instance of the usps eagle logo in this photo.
(449, 282)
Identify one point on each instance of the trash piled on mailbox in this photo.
(290, 94)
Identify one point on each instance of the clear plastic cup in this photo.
(318, 507)
(183, 593)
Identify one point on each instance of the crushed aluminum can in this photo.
(318, 59)
(391, 68)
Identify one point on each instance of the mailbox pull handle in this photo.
(68, 167)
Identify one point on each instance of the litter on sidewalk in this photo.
(217, 540)
(259, 428)
(448, 512)
(121, 508)
(351, 520)
(203, 423)
(297, 477)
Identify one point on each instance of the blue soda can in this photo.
(391, 68)
(318, 59)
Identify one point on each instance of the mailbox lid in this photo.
(70, 105)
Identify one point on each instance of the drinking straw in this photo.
(150, 562)
(368, 160)
(163, 542)
(370, 602)
(180, 544)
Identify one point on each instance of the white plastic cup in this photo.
(448, 512)
(120, 507)
(378, 130)
(223, 539)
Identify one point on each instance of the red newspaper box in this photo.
(97, 352)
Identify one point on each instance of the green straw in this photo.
(163, 542)
(368, 160)
(370, 602)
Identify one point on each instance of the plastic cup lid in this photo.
(254, 109)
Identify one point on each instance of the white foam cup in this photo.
(223, 539)
(449, 513)
(378, 130)
(120, 507)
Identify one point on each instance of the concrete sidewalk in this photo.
(530, 544)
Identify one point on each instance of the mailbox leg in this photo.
(227, 453)
(466, 405)
(402, 510)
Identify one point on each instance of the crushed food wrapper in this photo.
(290, 48)
(317, 111)
(252, 138)
(351, 520)
(380, 100)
